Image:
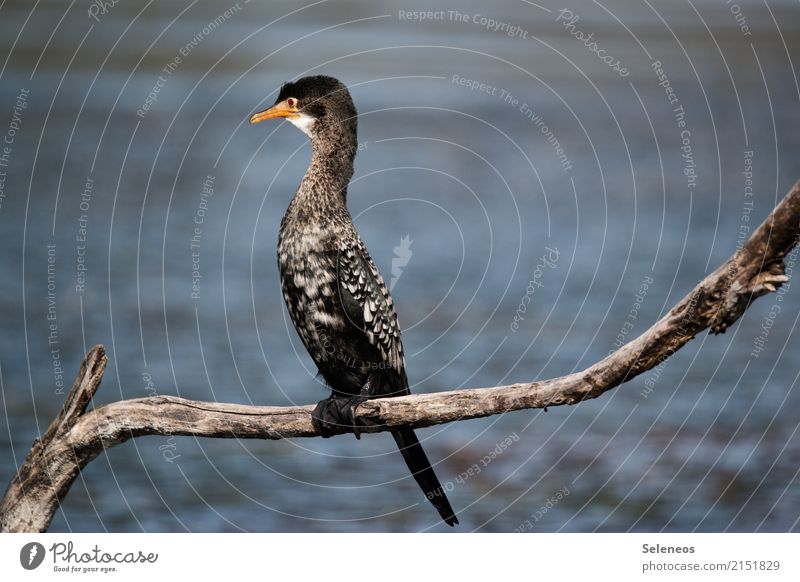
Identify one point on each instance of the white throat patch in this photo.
(303, 122)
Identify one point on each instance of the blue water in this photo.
(708, 442)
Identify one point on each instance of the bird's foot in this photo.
(335, 413)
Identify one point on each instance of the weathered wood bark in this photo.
(76, 436)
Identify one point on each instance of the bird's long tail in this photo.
(421, 468)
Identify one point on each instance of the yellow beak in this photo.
(281, 109)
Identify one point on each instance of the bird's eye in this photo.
(291, 102)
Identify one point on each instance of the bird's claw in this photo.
(335, 413)
(323, 420)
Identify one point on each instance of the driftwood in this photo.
(76, 436)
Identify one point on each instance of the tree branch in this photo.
(76, 437)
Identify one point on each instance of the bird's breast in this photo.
(307, 261)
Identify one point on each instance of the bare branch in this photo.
(76, 437)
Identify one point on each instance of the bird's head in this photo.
(317, 105)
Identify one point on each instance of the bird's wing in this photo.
(368, 304)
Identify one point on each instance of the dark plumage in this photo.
(336, 297)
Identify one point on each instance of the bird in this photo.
(336, 297)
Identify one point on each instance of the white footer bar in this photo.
(401, 557)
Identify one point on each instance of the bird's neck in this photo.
(331, 167)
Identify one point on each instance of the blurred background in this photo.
(537, 183)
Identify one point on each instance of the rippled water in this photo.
(484, 146)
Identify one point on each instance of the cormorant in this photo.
(335, 296)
